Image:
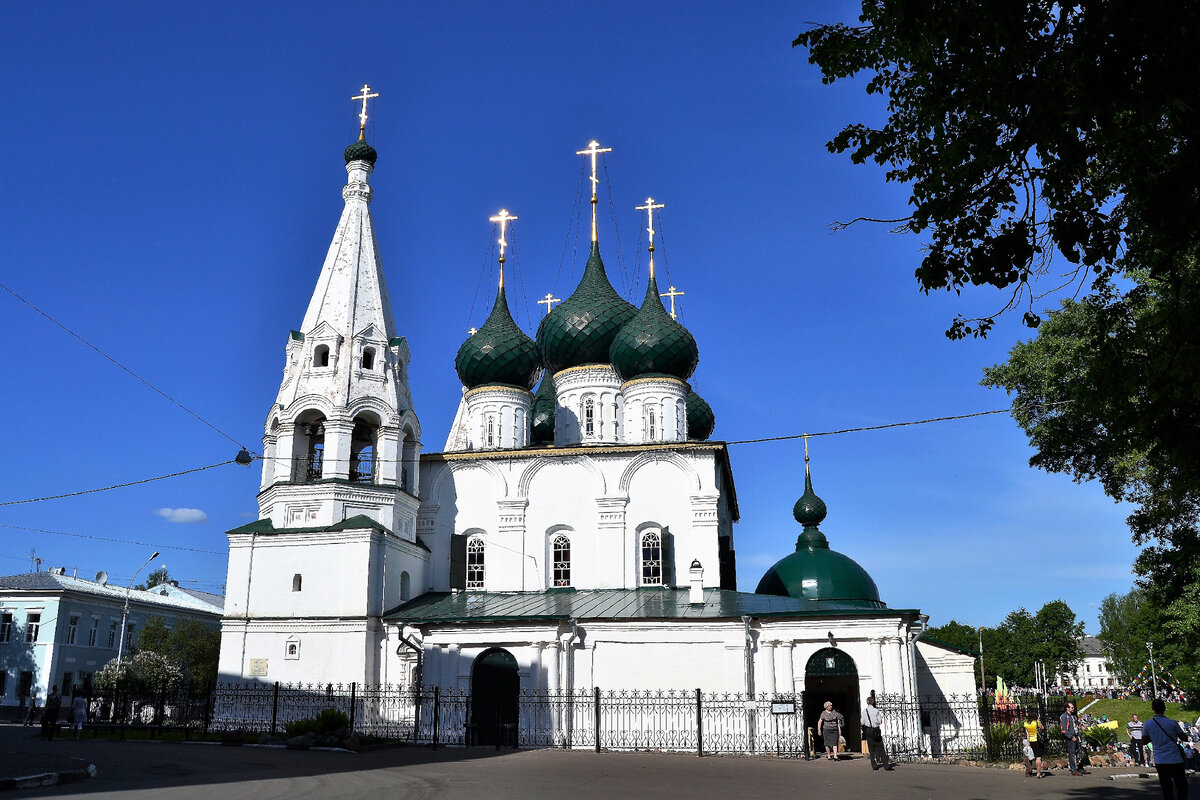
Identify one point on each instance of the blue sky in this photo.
(172, 178)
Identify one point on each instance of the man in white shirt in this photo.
(872, 724)
(1136, 750)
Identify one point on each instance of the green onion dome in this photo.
(814, 572)
(498, 353)
(653, 344)
(700, 417)
(581, 330)
(361, 151)
(542, 415)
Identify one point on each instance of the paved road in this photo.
(164, 771)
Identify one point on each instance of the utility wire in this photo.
(117, 541)
(115, 486)
(122, 366)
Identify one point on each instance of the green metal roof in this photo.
(653, 343)
(350, 524)
(542, 414)
(700, 417)
(615, 604)
(499, 353)
(361, 151)
(581, 329)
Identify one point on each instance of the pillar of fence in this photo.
(437, 705)
(596, 709)
(986, 714)
(275, 710)
(699, 726)
(353, 691)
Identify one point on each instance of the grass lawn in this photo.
(1123, 710)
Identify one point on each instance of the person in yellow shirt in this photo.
(1034, 740)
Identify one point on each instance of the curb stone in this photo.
(48, 778)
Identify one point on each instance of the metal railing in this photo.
(362, 468)
(308, 468)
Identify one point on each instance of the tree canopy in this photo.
(191, 646)
(1128, 622)
(1041, 131)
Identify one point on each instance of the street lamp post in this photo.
(982, 680)
(125, 612)
(1153, 671)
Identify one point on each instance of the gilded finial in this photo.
(549, 302)
(366, 95)
(672, 293)
(594, 149)
(649, 209)
(503, 218)
(472, 330)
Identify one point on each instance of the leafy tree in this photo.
(957, 634)
(1056, 637)
(155, 578)
(1040, 129)
(1128, 622)
(144, 671)
(191, 646)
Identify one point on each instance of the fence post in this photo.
(353, 688)
(596, 710)
(987, 729)
(437, 716)
(209, 699)
(275, 710)
(699, 726)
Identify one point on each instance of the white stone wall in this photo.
(594, 386)
(497, 418)
(601, 501)
(943, 672)
(665, 398)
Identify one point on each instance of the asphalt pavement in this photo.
(163, 771)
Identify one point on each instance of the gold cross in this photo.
(673, 293)
(362, 115)
(593, 149)
(472, 331)
(549, 302)
(503, 218)
(649, 209)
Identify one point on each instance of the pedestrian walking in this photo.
(830, 723)
(50, 714)
(31, 713)
(872, 728)
(1164, 734)
(78, 712)
(1035, 744)
(1069, 723)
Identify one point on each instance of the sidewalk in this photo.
(27, 766)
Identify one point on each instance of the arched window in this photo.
(652, 558)
(560, 550)
(680, 418)
(309, 462)
(297, 582)
(321, 356)
(475, 564)
(368, 358)
(362, 450)
(491, 430)
(651, 425)
(405, 586)
(589, 417)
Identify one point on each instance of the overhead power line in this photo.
(116, 541)
(122, 366)
(114, 486)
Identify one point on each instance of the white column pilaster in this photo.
(768, 651)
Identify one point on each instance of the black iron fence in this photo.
(968, 727)
(682, 720)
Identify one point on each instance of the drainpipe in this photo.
(749, 670)
(416, 648)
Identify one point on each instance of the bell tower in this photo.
(341, 439)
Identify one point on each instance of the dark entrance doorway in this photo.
(832, 675)
(494, 706)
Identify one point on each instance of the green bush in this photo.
(327, 721)
(1099, 738)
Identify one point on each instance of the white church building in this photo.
(580, 535)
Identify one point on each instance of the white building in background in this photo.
(578, 537)
(56, 629)
(1095, 670)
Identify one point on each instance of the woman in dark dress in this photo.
(831, 730)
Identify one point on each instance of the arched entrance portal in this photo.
(494, 706)
(832, 675)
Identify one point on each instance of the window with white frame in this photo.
(6, 626)
(32, 623)
(475, 563)
(651, 424)
(94, 632)
(560, 558)
(72, 628)
(112, 635)
(652, 558)
(491, 431)
(589, 416)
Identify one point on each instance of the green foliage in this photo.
(957, 634)
(328, 721)
(155, 578)
(1099, 738)
(191, 645)
(1050, 636)
(142, 672)
(1041, 127)
(1000, 735)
